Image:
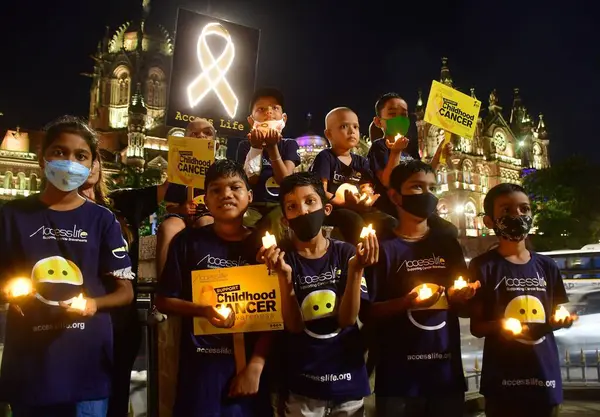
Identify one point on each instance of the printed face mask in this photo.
(397, 125)
(270, 124)
(307, 226)
(513, 228)
(66, 175)
(420, 205)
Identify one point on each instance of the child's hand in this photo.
(274, 259)
(463, 294)
(399, 145)
(255, 137)
(90, 308)
(367, 252)
(188, 208)
(246, 382)
(416, 303)
(508, 334)
(563, 323)
(213, 316)
(271, 137)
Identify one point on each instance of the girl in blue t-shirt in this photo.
(58, 352)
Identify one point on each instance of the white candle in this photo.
(460, 283)
(268, 240)
(398, 136)
(366, 231)
(425, 292)
(340, 193)
(19, 287)
(561, 314)
(79, 303)
(224, 312)
(513, 325)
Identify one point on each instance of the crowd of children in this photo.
(58, 359)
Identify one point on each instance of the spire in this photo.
(445, 77)
(493, 102)
(146, 8)
(473, 92)
(308, 121)
(517, 106)
(542, 133)
(137, 104)
(419, 108)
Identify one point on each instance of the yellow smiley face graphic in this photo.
(318, 304)
(526, 309)
(56, 270)
(208, 296)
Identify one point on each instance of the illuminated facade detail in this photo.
(156, 95)
(120, 90)
(214, 71)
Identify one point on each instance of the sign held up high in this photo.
(452, 110)
(214, 72)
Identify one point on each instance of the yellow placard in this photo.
(452, 110)
(199, 199)
(250, 291)
(189, 159)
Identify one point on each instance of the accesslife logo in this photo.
(70, 235)
(214, 262)
(331, 276)
(435, 262)
(537, 283)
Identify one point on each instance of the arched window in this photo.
(22, 183)
(467, 171)
(442, 176)
(156, 88)
(443, 209)
(121, 86)
(484, 176)
(8, 180)
(33, 186)
(470, 215)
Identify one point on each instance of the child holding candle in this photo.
(66, 245)
(322, 286)
(338, 166)
(207, 380)
(422, 375)
(515, 311)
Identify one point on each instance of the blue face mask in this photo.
(66, 175)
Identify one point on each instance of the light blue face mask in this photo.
(66, 175)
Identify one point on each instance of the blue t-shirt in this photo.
(378, 156)
(329, 167)
(325, 362)
(51, 356)
(207, 364)
(520, 370)
(266, 190)
(423, 357)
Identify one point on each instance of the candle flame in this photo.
(366, 231)
(460, 283)
(224, 312)
(561, 314)
(425, 292)
(19, 287)
(269, 240)
(398, 136)
(513, 325)
(79, 303)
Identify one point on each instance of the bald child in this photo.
(347, 178)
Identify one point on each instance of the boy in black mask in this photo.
(423, 375)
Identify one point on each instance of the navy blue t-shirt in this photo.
(423, 357)
(520, 370)
(378, 156)
(325, 362)
(207, 364)
(329, 167)
(266, 190)
(51, 356)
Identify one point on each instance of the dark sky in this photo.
(324, 54)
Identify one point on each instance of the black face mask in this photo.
(420, 205)
(513, 228)
(307, 226)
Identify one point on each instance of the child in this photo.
(391, 116)
(521, 373)
(58, 359)
(268, 158)
(181, 210)
(337, 166)
(322, 286)
(419, 371)
(207, 382)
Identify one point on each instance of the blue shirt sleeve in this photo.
(375, 274)
(242, 151)
(378, 155)
(559, 294)
(171, 280)
(289, 151)
(114, 256)
(323, 165)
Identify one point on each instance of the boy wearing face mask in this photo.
(521, 371)
(339, 167)
(423, 375)
(267, 158)
(391, 116)
(322, 285)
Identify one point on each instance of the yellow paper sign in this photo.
(249, 291)
(189, 159)
(452, 110)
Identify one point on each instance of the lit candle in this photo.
(561, 314)
(366, 231)
(460, 283)
(398, 136)
(224, 312)
(19, 287)
(425, 292)
(79, 303)
(340, 193)
(513, 325)
(268, 240)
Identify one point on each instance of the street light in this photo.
(459, 209)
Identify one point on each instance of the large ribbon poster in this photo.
(189, 159)
(249, 291)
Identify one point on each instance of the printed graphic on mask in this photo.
(66, 175)
(397, 125)
(272, 187)
(528, 309)
(432, 323)
(56, 279)
(513, 228)
(316, 306)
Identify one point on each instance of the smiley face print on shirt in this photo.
(56, 279)
(528, 309)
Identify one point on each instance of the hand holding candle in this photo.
(269, 240)
(563, 318)
(460, 283)
(79, 303)
(425, 292)
(224, 312)
(222, 317)
(513, 325)
(19, 287)
(366, 231)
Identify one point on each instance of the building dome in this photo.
(310, 145)
(154, 39)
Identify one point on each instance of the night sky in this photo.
(324, 54)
